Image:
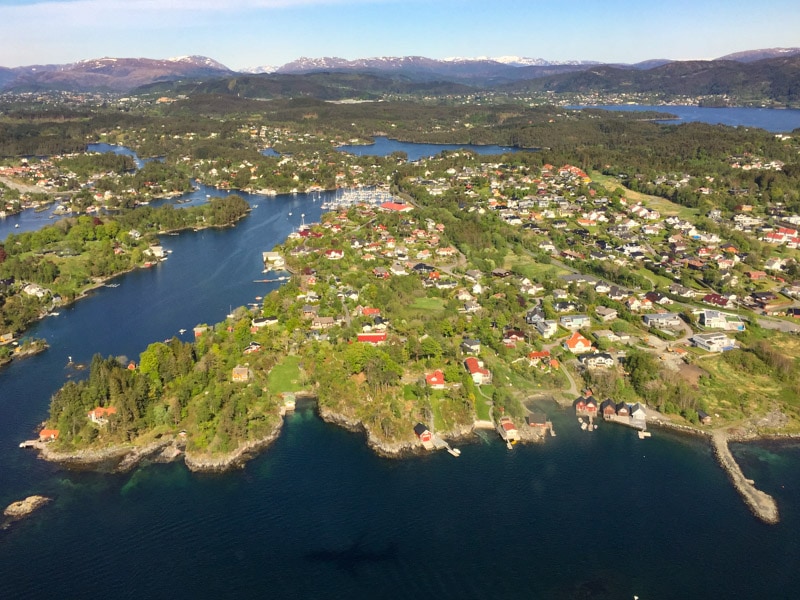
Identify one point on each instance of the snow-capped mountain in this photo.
(113, 74)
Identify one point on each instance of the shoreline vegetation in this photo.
(124, 458)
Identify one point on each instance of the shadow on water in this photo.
(350, 559)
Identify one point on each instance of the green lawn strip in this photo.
(285, 376)
(427, 304)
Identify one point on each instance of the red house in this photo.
(435, 380)
(372, 337)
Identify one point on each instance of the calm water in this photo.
(765, 118)
(384, 146)
(587, 515)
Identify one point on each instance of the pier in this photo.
(762, 504)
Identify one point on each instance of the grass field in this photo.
(526, 266)
(428, 304)
(662, 205)
(285, 376)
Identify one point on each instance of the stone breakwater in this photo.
(760, 503)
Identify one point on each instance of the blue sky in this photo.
(247, 33)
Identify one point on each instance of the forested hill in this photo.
(775, 79)
(323, 86)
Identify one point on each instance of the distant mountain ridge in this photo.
(774, 67)
(109, 74)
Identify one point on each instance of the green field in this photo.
(286, 376)
(662, 205)
(428, 304)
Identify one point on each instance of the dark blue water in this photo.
(384, 146)
(587, 515)
(777, 120)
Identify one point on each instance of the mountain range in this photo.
(771, 72)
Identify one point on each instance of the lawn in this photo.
(662, 205)
(527, 266)
(286, 376)
(428, 304)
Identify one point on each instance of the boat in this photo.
(181, 331)
(454, 451)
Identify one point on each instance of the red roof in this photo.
(101, 412)
(435, 378)
(395, 206)
(48, 434)
(372, 338)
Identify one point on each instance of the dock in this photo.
(439, 444)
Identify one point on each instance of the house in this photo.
(638, 416)
(424, 435)
(658, 298)
(575, 322)
(48, 435)
(535, 315)
(586, 406)
(717, 300)
(714, 319)
(661, 320)
(322, 322)
(469, 346)
(605, 314)
(396, 207)
(372, 337)
(435, 380)
(512, 336)
(534, 358)
(479, 373)
(273, 260)
(608, 408)
(713, 342)
(240, 374)
(577, 344)
(597, 360)
(547, 328)
(538, 420)
(704, 417)
(100, 414)
(623, 410)
(508, 431)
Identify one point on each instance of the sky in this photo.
(250, 33)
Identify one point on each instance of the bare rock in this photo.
(22, 508)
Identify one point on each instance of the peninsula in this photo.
(610, 275)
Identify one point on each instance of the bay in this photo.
(771, 119)
(318, 515)
(384, 146)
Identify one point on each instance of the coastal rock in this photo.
(218, 463)
(22, 508)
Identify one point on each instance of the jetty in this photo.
(762, 504)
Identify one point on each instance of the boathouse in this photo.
(424, 435)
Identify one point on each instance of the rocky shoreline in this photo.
(236, 459)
